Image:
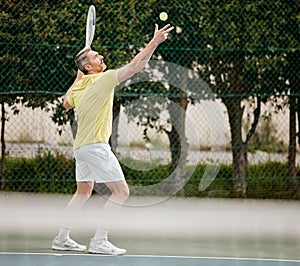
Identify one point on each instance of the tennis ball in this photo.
(163, 16)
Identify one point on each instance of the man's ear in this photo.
(88, 67)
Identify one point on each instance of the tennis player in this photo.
(92, 95)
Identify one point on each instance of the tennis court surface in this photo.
(93, 260)
(173, 232)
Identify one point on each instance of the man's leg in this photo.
(99, 243)
(119, 194)
(63, 241)
(82, 194)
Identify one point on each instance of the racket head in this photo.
(90, 26)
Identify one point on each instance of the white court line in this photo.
(149, 256)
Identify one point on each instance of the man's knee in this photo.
(83, 193)
(120, 190)
(84, 189)
(125, 191)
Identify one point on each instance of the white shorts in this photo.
(96, 162)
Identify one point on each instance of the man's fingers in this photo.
(162, 34)
(167, 28)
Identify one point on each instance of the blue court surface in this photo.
(47, 259)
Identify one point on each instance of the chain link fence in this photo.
(215, 113)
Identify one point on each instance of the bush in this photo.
(55, 173)
(220, 187)
(46, 173)
(269, 180)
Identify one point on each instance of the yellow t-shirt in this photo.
(93, 97)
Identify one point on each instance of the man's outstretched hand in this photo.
(142, 58)
(160, 35)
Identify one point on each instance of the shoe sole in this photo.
(105, 253)
(68, 249)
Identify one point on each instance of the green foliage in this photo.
(36, 46)
(40, 38)
(55, 173)
(220, 187)
(142, 177)
(264, 181)
(48, 173)
(269, 180)
(250, 39)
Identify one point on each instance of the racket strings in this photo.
(90, 26)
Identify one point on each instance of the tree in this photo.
(244, 61)
(243, 56)
(37, 43)
(291, 73)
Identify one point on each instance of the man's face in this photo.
(95, 63)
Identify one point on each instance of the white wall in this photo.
(203, 126)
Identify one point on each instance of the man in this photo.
(92, 95)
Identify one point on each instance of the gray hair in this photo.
(81, 59)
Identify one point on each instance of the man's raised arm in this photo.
(78, 77)
(142, 58)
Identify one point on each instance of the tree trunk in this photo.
(178, 140)
(114, 135)
(175, 147)
(292, 139)
(294, 79)
(239, 148)
(298, 118)
(3, 146)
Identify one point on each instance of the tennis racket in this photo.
(90, 26)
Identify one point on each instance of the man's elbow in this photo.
(138, 66)
(67, 105)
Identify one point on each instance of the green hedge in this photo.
(264, 181)
(54, 173)
(48, 173)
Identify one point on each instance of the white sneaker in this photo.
(105, 247)
(67, 245)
